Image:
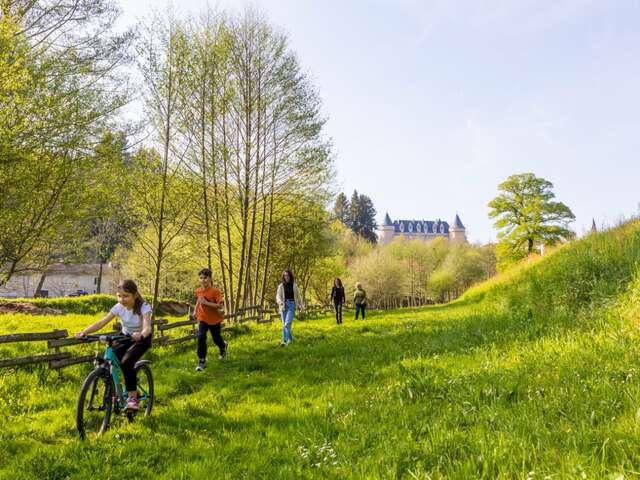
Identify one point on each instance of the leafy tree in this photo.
(527, 215)
(164, 200)
(441, 283)
(112, 219)
(341, 208)
(58, 63)
(362, 217)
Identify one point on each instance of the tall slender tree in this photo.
(362, 216)
(164, 198)
(341, 208)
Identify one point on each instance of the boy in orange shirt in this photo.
(209, 315)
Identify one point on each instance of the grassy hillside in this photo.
(535, 374)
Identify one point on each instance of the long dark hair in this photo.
(130, 286)
(337, 283)
(290, 276)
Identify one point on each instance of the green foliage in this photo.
(57, 65)
(362, 217)
(341, 208)
(84, 305)
(358, 214)
(414, 272)
(528, 216)
(112, 183)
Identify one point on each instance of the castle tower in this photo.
(386, 230)
(457, 232)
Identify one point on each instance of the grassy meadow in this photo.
(534, 374)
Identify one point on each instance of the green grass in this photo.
(86, 304)
(535, 374)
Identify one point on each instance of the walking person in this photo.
(360, 299)
(338, 298)
(209, 314)
(287, 297)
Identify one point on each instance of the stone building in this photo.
(61, 280)
(421, 230)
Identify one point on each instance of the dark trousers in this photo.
(128, 353)
(216, 334)
(338, 308)
(360, 307)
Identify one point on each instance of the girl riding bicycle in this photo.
(135, 316)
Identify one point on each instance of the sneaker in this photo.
(132, 404)
(223, 353)
(201, 366)
(283, 344)
(287, 343)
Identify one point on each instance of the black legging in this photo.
(129, 352)
(202, 338)
(338, 308)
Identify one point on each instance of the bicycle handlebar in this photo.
(105, 338)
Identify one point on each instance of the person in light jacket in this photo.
(287, 298)
(360, 300)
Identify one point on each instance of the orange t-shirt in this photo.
(205, 313)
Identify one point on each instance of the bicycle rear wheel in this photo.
(144, 380)
(95, 403)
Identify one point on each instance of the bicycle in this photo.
(103, 393)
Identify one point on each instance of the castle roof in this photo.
(421, 226)
(387, 220)
(457, 223)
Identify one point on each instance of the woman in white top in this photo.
(287, 297)
(135, 316)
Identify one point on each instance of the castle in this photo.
(421, 230)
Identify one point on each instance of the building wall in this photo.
(388, 236)
(21, 285)
(458, 235)
(385, 235)
(57, 284)
(60, 285)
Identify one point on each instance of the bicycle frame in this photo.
(110, 360)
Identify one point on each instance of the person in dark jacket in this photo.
(337, 297)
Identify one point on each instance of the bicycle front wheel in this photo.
(95, 403)
(144, 380)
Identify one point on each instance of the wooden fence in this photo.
(58, 339)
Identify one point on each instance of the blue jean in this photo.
(288, 309)
(360, 308)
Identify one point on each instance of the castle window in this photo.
(418, 227)
(410, 227)
(442, 228)
(402, 227)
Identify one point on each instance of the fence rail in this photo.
(58, 339)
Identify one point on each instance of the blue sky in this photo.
(431, 104)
